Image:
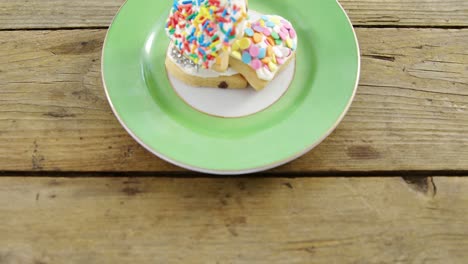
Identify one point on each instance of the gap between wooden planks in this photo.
(29, 14)
(231, 220)
(410, 113)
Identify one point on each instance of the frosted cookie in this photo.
(204, 30)
(267, 47)
(187, 71)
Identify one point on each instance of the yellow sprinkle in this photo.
(235, 45)
(204, 11)
(273, 58)
(289, 43)
(214, 44)
(262, 23)
(275, 20)
(236, 55)
(272, 67)
(244, 43)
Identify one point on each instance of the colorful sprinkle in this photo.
(267, 32)
(286, 24)
(272, 66)
(254, 51)
(262, 53)
(266, 60)
(271, 41)
(277, 52)
(256, 64)
(257, 37)
(269, 51)
(275, 35)
(283, 35)
(244, 43)
(236, 55)
(270, 24)
(246, 58)
(292, 33)
(235, 46)
(258, 28)
(280, 61)
(249, 32)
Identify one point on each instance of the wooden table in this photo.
(388, 186)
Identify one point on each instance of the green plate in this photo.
(138, 89)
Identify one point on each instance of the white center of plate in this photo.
(232, 103)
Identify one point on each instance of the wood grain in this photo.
(407, 13)
(410, 113)
(27, 14)
(247, 220)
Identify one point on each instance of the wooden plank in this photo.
(24, 14)
(410, 113)
(248, 220)
(407, 13)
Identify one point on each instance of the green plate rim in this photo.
(243, 171)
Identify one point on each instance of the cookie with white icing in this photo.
(204, 30)
(187, 71)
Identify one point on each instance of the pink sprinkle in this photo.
(283, 35)
(292, 33)
(285, 30)
(286, 24)
(256, 64)
(254, 50)
(258, 29)
(267, 32)
(280, 61)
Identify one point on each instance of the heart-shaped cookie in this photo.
(265, 49)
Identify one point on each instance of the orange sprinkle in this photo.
(269, 51)
(266, 60)
(257, 37)
(271, 41)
